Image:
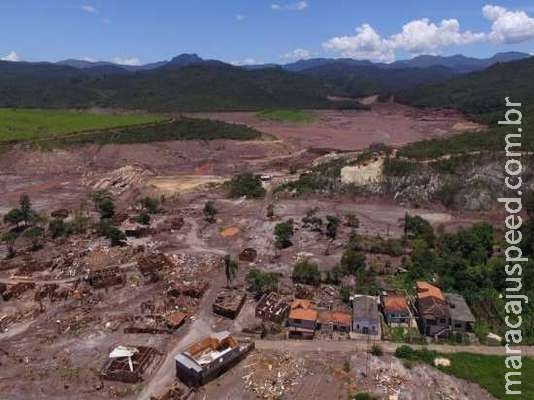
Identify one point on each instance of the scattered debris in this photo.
(128, 363)
(272, 307)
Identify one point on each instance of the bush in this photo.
(57, 228)
(283, 233)
(363, 396)
(143, 218)
(353, 261)
(306, 272)
(376, 350)
(405, 352)
(150, 204)
(262, 282)
(246, 184)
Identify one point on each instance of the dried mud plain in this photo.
(55, 350)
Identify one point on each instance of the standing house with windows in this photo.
(462, 319)
(433, 310)
(396, 309)
(302, 318)
(365, 315)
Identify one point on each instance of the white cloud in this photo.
(240, 17)
(509, 27)
(106, 21)
(12, 56)
(89, 9)
(298, 6)
(246, 61)
(297, 54)
(416, 37)
(422, 36)
(366, 44)
(127, 61)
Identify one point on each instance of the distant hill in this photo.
(459, 63)
(190, 83)
(481, 93)
(206, 86)
(362, 80)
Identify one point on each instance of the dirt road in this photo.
(364, 345)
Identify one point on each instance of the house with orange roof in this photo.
(302, 320)
(395, 308)
(433, 310)
(339, 321)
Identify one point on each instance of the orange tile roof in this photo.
(337, 317)
(425, 290)
(395, 302)
(303, 309)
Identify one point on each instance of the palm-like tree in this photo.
(230, 269)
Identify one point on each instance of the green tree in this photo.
(35, 235)
(116, 236)
(246, 184)
(106, 208)
(230, 269)
(150, 204)
(57, 228)
(306, 272)
(331, 226)
(98, 196)
(143, 218)
(14, 216)
(262, 282)
(353, 261)
(283, 233)
(210, 212)
(26, 209)
(9, 238)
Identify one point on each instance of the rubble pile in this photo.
(153, 264)
(274, 375)
(119, 180)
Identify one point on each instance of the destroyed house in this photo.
(209, 358)
(302, 318)
(395, 308)
(433, 310)
(272, 307)
(106, 277)
(17, 290)
(190, 288)
(462, 319)
(128, 363)
(229, 303)
(365, 315)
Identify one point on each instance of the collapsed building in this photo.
(192, 288)
(209, 358)
(272, 307)
(17, 290)
(106, 277)
(129, 363)
(229, 303)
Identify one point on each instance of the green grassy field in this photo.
(25, 124)
(489, 372)
(295, 116)
(486, 371)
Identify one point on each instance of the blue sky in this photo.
(256, 31)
